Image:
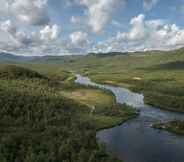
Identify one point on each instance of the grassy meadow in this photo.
(159, 75)
(90, 97)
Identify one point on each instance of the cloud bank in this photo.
(145, 35)
(81, 26)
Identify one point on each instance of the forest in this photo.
(38, 124)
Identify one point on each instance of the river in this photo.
(135, 140)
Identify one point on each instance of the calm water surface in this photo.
(136, 141)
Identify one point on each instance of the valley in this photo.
(42, 120)
(52, 83)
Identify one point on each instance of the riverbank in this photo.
(136, 135)
(166, 97)
(151, 74)
(158, 75)
(175, 126)
(118, 115)
(102, 107)
(48, 119)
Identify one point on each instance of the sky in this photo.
(64, 27)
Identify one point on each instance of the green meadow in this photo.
(159, 75)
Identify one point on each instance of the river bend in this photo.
(136, 141)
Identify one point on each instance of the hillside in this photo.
(7, 57)
(43, 120)
(160, 74)
(16, 72)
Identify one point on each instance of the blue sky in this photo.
(62, 27)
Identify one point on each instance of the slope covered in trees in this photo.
(38, 124)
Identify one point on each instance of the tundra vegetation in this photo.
(45, 117)
(157, 74)
(175, 126)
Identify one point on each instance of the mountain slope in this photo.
(7, 57)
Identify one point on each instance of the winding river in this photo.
(136, 141)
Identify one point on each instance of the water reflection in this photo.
(136, 141)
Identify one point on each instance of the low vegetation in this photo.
(91, 97)
(42, 120)
(175, 126)
(159, 75)
(15, 72)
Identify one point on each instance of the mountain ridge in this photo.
(10, 57)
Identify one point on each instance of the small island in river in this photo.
(174, 126)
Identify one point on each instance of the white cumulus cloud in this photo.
(50, 32)
(19, 37)
(7, 26)
(137, 31)
(22, 38)
(32, 12)
(79, 43)
(145, 35)
(79, 38)
(99, 12)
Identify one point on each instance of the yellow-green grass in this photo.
(90, 97)
(175, 126)
(152, 73)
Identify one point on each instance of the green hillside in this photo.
(16, 72)
(159, 75)
(40, 123)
